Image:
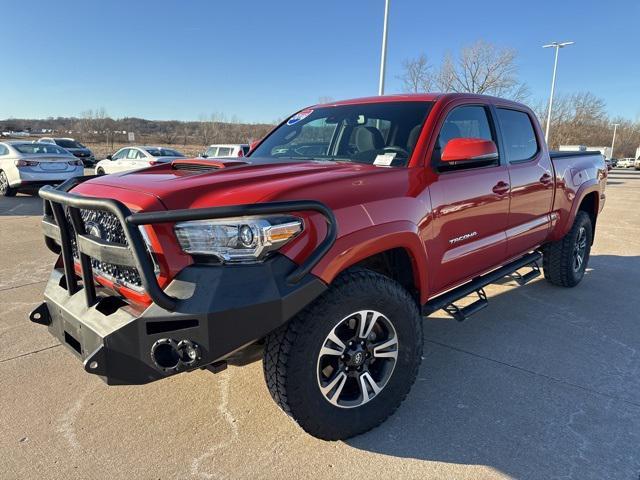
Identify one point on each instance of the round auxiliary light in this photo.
(246, 236)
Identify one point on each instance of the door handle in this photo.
(545, 179)
(500, 188)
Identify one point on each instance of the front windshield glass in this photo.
(40, 149)
(376, 133)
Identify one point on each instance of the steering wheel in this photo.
(396, 149)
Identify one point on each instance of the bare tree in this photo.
(482, 68)
(417, 76)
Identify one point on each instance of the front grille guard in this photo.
(58, 232)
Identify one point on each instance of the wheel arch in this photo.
(393, 249)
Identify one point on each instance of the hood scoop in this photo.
(202, 165)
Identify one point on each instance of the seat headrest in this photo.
(368, 138)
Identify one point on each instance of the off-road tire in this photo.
(558, 257)
(5, 189)
(291, 355)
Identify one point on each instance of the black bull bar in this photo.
(59, 232)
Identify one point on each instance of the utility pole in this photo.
(383, 57)
(613, 142)
(557, 46)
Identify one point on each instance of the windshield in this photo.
(40, 148)
(376, 133)
(164, 152)
(68, 143)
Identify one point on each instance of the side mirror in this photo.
(469, 150)
(109, 157)
(203, 155)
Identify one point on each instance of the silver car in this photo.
(28, 165)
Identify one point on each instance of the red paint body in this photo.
(512, 208)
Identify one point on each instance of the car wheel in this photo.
(346, 362)
(100, 171)
(565, 261)
(5, 188)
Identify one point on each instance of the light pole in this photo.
(383, 57)
(557, 46)
(613, 142)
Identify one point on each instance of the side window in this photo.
(224, 152)
(518, 134)
(211, 152)
(471, 121)
(140, 155)
(3, 150)
(133, 154)
(465, 122)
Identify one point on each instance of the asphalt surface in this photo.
(544, 383)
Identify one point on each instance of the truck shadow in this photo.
(20, 205)
(541, 383)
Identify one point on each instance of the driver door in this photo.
(116, 163)
(470, 204)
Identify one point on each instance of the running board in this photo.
(447, 300)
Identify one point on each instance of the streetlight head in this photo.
(558, 44)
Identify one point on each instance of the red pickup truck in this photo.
(320, 252)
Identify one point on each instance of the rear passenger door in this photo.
(470, 204)
(531, 177)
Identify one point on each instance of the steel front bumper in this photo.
(207, 312)
(219, 310)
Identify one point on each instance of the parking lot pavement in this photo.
(545, 383)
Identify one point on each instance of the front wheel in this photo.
(346, 362)
(565, 261)
(5, 188)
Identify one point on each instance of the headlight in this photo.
(243, 239)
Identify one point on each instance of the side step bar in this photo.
(447, 300)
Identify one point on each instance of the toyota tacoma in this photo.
(320, 251)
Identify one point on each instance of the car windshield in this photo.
(64, 143)
(382, 133)
(40, 149)
(164, 152)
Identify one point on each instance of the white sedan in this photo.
(135, 158)
(28, 165)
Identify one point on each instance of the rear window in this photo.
(39, 149)
(518, 134)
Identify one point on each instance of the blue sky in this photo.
(260, 60)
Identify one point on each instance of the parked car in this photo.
(609, 163)
(28, 165)
(135, 158)
(626, 163)
(74, 147)
(226, 150)
(327, 263)
(636, 164)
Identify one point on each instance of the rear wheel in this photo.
(100, 171)
(346, 362)
(565, 261)
(5, 188)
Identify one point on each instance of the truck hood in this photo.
(337, 184)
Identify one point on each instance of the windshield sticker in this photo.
(384, 160)
(299, 116)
